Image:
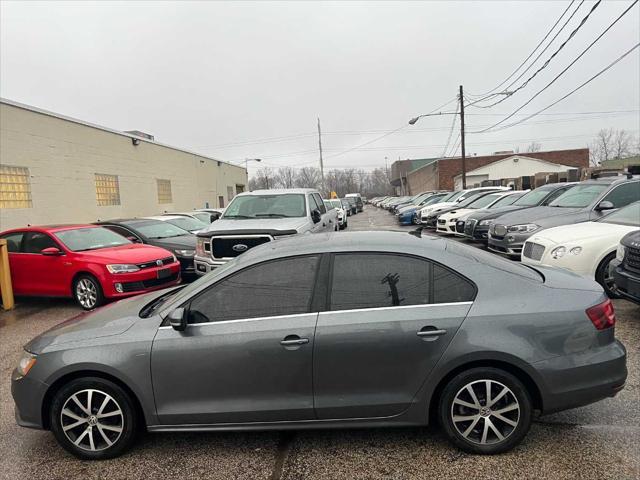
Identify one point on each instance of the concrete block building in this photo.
(56, 169)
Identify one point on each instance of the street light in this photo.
(247, 160)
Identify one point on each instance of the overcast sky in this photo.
(205, 75)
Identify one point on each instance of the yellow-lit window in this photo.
(15, 187)
(164, 191)
(107, 190)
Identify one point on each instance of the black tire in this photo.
(100, 388)
(519, 417)
(80, 286)
(603, 278)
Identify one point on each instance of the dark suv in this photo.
(626, 267)
(586, 201)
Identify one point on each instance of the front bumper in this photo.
(582, 378)
(28, 395)
(122, 285)
(627, 282)
(446, 226)
(510, 244)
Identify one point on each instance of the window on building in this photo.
(107, 189)
(164, 191)
(220, 201)
(15, 187)
(230, 193)
(239, 189)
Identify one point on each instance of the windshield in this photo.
(579, 196)
(534, 197)
(507, 200)
(454, 196)
(158, 229)
(629, 215)
(336, 203)
(434, 199)
(187, 223)
(81, 239)
(203, 217)
(485, 201)
(448, 196)
(265, 206)
(472, 198)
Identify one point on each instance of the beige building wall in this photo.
(423, 179)
(63, 157)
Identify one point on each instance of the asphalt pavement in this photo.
(600, 441)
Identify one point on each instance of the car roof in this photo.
(610, 180)
(128, 221)
(164, 218)
(279, 191)
(51, 228)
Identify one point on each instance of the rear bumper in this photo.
(580, 379)
(628, 283)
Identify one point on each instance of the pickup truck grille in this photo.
(533, 251)
(223, 247)
(632, 259)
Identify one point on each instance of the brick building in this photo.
(441, 174)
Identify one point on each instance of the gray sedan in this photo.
(348, 330)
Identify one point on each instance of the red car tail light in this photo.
(602, 315)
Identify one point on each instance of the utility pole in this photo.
(321, 165)
(464, 158)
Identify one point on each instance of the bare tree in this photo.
(534, 147)
(264, 179)
(308, 177)
(286, 177)
(611, 144)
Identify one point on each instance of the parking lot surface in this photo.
(594, 442)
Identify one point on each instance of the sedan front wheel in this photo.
(485, 410)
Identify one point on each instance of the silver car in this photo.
(326, 331)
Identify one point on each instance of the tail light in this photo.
(200, 247)
(602, 315)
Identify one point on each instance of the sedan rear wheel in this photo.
(485, 410)
(93, 418)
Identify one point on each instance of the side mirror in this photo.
(178, 319)
(605, 205)
(316, 216)
(133, 239)
(51, 251)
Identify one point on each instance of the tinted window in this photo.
(449, 287)
(158, 229)
(120, 230)
(378, 280)
(187, 223)
(14, 241)
(624, 194)
(534, 197)
(36, 242)
(281, 287)
(506, 200)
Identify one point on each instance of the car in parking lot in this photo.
(88, 263)
(341, 214)
(359, 329)
(353, 205)
(358, 199)
(626, 267)
(204, 217)
(586, 248)
(588, 201)
(477, 224)
(408, 215)
(429, 214)
(261, 216)
(190, 224)
(161, 234)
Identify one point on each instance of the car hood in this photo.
(286, 225)
(456, 212)
(437, 206)
(134, 253)
(173, 243)
(543, 216)
(585, 231)
(487, 213)
(112, 319)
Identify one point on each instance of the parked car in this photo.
(317, 334)
(353, 206)
(341, 213)
(190, 224)
(588, 201)
(427, 217)
(204, 217)
(414, 200)
(257, 217)
(626, 267)
(214, 213)
(430, 220)
(409, 215)
(346, 206)
(505, 199)
(477, 224)
(91, 264)
(161, 234)
(448, 218)
(358, 199)
(586, 248)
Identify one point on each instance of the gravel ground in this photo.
(598, 441)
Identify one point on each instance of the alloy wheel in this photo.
(485, 412)
(608, 279)
(87, 293)
(92, 420)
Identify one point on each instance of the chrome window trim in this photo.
(421, 305)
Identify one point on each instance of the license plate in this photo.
(164, 273)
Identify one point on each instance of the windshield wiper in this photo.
(91, 248)
(236, 216)
(273, 215)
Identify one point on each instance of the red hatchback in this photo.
(88, 262)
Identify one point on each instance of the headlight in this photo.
(558, 252)
(453, 219)
(200, 246)
(523, 228)
(485, 223)
(122, 268)
(620, 252)
(575, 250)
(27, 361)
(186, 253)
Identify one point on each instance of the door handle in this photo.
(292, 342)
(431, 332)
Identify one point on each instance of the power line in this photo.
(545, 64)
(563, 71)
(530, 55)
(571, 92)
(453, 124)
